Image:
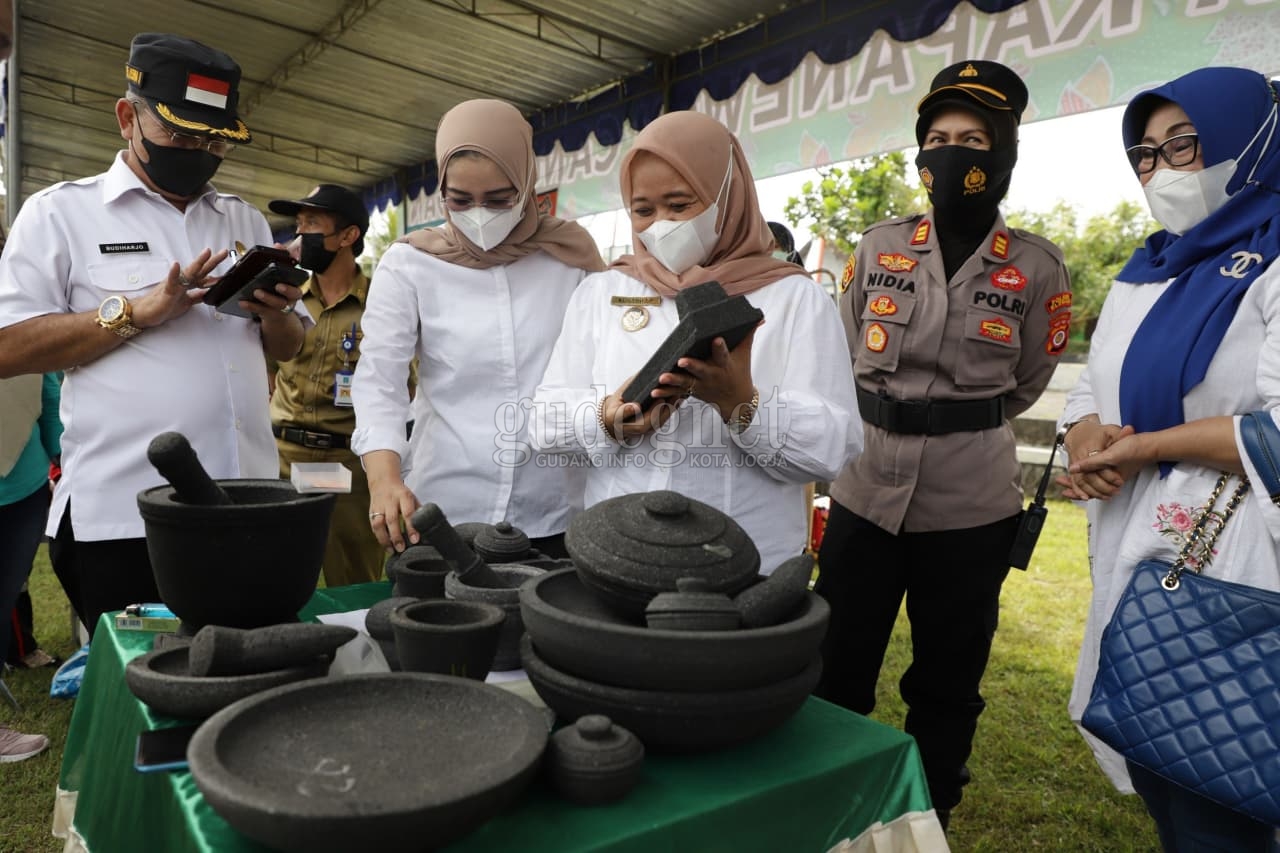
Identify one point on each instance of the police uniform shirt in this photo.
(806, 428)
(482, 338)
(202, 374)
(997, 328)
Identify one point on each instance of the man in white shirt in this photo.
(103, 278)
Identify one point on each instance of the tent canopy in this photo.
(351, 91)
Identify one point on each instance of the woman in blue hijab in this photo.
(1187, 342)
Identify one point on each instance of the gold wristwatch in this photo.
(116, 314)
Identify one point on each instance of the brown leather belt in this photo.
(311, 438)
(929, 417)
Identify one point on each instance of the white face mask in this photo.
(1182, 200)
(487, 228)
(683, 244)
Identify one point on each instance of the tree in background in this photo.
(1094, 253)
(843, 203)
(384, 229)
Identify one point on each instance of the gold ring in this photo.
(183, 280)
(1094, 452)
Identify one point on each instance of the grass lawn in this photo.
(1035, 786)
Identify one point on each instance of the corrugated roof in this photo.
(343, 91)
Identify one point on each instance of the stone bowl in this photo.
(162, 680)
(377, 623)
(418, 571)
(447, 636)
(576, 632)
(674, 721)
(508, 598)
(250, 564)
(309, 767)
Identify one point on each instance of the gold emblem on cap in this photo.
(134, 75)
(968, 71)
(240, 133)
(635, 318)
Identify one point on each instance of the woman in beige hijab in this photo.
(478, 301)
(744, 430)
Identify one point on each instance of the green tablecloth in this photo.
(824, 776)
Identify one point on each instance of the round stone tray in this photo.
(406, 760)
(673, 721)
(578, 633)
(162, 680)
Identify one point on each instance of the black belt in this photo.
(310, 438)
(930, 417)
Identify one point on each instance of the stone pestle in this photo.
(175, 459)
(431, 524)
(219, 650)
(776, 598)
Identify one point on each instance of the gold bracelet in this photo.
(600, 418)
(745, 414)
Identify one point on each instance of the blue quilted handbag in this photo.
(1188, 681)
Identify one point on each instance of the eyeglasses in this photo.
(1178, 150)
(216, 147)
(463, 203)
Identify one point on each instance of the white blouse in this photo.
(1150, 516)
(806, 429)
(482, 338)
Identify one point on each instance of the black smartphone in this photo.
(262, 267)
(163, 749)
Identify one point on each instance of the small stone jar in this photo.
(594, 761)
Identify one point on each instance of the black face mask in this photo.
(966, 180)
(180, 171)
(313, 255)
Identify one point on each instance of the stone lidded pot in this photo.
(630, 548)
(594, 761)
(501, 543)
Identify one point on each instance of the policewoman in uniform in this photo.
(954, 324)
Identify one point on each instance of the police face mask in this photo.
(683, 244)
(180, 171)
(312, 253)
(961, 179)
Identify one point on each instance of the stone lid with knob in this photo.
(594, 761)
(501, 543)
(635, 546)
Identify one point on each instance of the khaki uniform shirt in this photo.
(304, 393)
(997, 328)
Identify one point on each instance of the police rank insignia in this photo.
(846, 277)
(1009, 278)
(1000, 245)
(922, 234)
(975, 181)
(877, 338)
(883, 306)
(895, 262)
(996, 329)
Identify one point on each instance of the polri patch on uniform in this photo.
(846, 277)
(1059, 333)
(996, 330)
(1057, 302)
(896, 262)
(922, 234)
(1000, 245)
(883, 306)
(1009, 278)
(124, 248)
(877, 338)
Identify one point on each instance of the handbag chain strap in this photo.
(1198, 541)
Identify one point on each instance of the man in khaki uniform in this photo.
(311, 412)
(955, 323)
